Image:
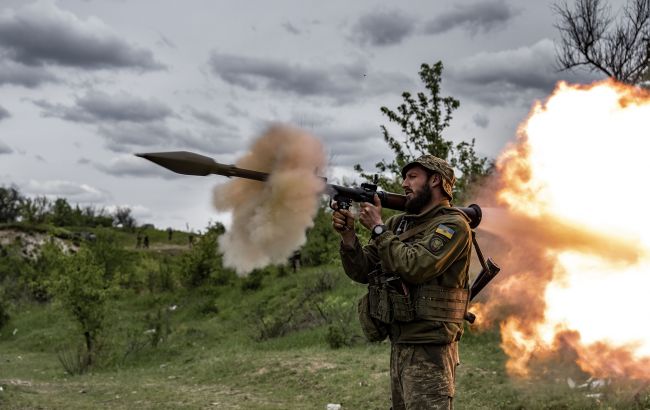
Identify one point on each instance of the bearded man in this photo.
(416, 266)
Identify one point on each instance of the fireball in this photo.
(572, 197)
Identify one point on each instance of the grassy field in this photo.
(209, 352)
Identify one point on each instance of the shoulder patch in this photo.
(436, 244)
(445, 231)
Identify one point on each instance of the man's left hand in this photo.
(370, 214)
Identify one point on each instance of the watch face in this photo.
(378, 229)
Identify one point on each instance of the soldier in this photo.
(416, 267)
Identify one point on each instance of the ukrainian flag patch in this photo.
(445, 231)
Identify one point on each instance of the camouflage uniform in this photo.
(424, 351)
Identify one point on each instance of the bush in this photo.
(82, 290)
(203, 262)
(4, 313)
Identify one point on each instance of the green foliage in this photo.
(293, 309)
(38, 276)
(83, 291)
(422, 120)
(122, 218)
(61, 213)
(204, 262)
(115, 261)
(9, 204)
(34, 210)
(322, 246)
(342, 323)
(4, 310)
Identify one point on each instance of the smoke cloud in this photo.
(269, 219)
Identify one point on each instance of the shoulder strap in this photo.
(413, 231)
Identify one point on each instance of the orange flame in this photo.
(571, 234)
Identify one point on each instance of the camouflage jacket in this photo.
(439, 255)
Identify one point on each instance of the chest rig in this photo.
(391, 300)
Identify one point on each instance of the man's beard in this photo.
(417, 202)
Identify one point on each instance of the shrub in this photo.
(82, 290)
(203, 262)
(4, 313)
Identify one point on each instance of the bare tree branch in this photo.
(593, 39)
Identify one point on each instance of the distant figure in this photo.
(295, 261)
(138, 243)
(190, 239)
(170, 231)
(146, 241)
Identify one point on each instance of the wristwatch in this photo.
(378, 230)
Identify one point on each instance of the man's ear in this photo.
(434, 180)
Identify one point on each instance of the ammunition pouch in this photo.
(388, 300)
(442, 304)
(374, 330)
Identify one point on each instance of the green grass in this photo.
(211, 358)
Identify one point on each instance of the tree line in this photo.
(16, 207)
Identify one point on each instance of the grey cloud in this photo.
(343, 83)
(5, 149)
(483, 17)
(310, 119)
(291, 28)
(4, 113)
(41, 33)
(348, 147)
(73, 191)
(211, 119)
(40, 158)
(127, 137)
(132, 166)
(12, 73)
(97, 106)
(481, 120)
(516, 74)
(235, 111)
(382, 28)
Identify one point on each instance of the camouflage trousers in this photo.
(422, 376)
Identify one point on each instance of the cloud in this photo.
(4, 113)
(483, 17)
(97, 106)
(515, 74)
(343, 82)
(12, 73)
(73, 191)
(128, 137)
(5, 149)
(351, 146)
(291, 28)
(41, 33)
(211, 119)
(480, 120)
(132, 166)
(382, 28)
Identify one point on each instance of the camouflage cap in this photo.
(439, 166)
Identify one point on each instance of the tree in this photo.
(592, 38)
(10, 199)
(122, 217)
(61, 213)
(83, 292)
(34, 210)
(422, 120)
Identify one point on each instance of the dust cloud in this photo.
(269, 219)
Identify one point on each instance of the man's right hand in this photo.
(343, 223)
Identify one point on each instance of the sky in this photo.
(85, 84)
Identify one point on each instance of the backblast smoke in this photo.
(568, 228)
(269, 219)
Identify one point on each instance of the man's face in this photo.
(417, 190)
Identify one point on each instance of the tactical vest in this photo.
(390, 299)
